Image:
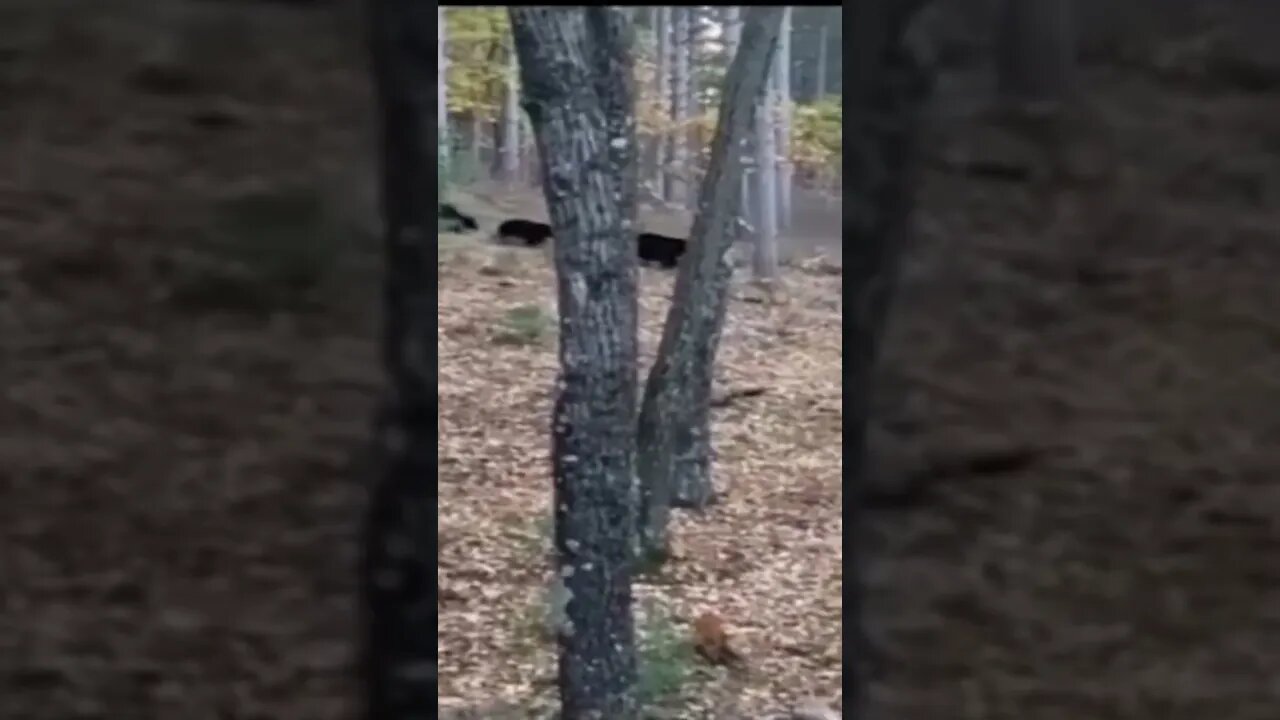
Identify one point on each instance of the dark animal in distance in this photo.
(528, 233)
(450, 219)
(663, 250)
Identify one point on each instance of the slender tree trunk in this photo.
(664, 99)
(576, 74)
(680, 107)
(886, 92)
(442, 90)
(511, 122)
(765, 256)
(399, 553)
(820, 89)
(674, 429)
(733, 36)
(783, 74)
(474, 134)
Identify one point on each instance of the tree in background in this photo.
(577, 75)
(400, 531)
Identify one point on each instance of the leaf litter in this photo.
(767, 557)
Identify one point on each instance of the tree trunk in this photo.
(732, 29)
(1036, 55)
(765, 257)
(664, 99)
(733, 36)
(511, 123)
(673, 432)
(820, 89)
(576, 74)
(399, 553)
(886, 93)
(680, 108)
(442, 99)
(782, 67)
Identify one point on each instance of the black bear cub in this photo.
(661, 249)
(450, 219)
(528, 233)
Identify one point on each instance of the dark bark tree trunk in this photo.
(885, 94)
(399, 554)
(1036, 51)
(674, 429)
(577, 79)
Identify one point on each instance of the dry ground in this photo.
(180, 484)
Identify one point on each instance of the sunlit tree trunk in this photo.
(576, 74)
(674, 431)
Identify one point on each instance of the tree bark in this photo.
(820, 87)
(886, 92)
(399, 540)
(664, 99)
(674, 433)
(576, 74)
(442, 99)
(1036, 51)
(782, 66)
(765, 256)
(511, 123)
(680, 107)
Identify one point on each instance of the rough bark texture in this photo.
(783, 68)
(576, 72)
(400, 532)
(886, 90)
(1036, 50)
(680, 106)
(674, 436)
(663, 31)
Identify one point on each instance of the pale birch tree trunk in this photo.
(576, 74)
(673, 458)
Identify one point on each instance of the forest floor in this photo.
(181, 446)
